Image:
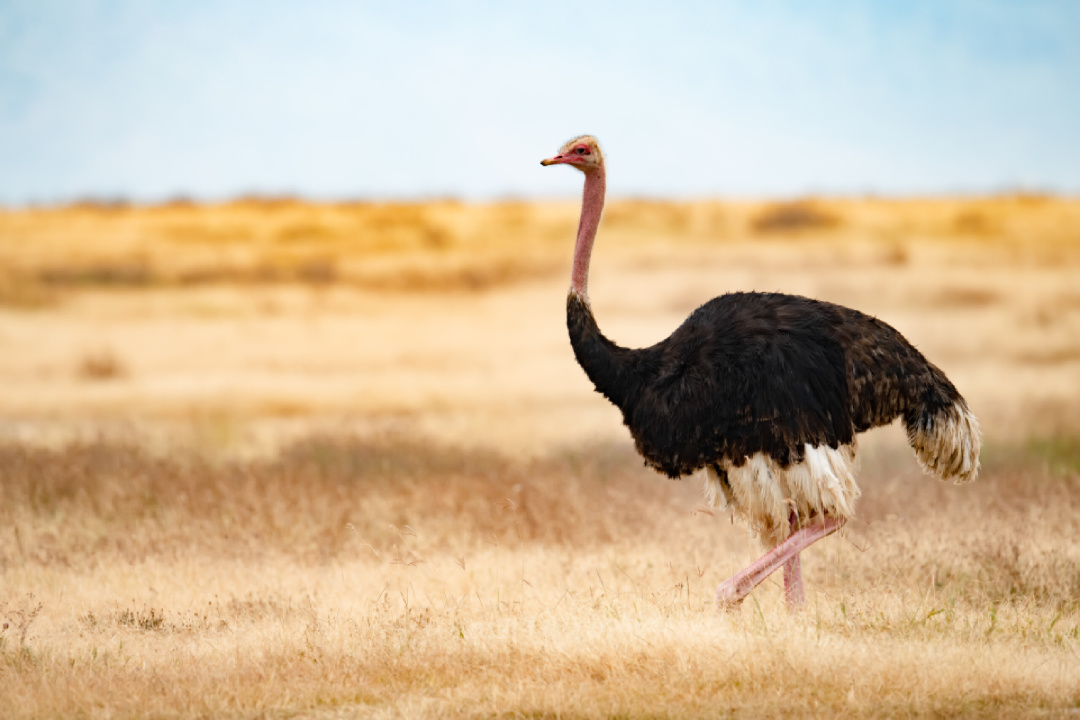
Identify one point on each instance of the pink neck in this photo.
(592, 206)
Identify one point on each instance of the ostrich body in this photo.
(766, 392)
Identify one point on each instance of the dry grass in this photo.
(382, 577)
(250, 319)
(792, 218)
(100, 365)
(274, 459)
(441, 246)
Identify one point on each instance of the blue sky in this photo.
(151, 100)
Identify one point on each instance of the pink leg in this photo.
(793, 587)
(732, 592)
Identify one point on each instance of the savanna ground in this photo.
(276, 459)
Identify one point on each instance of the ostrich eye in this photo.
(582, 151)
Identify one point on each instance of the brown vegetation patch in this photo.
(101, 205)
(794, 217)
(119, 273)
(100, 365)
(963, 297)
(311, 500)
(895, 255)
(1054, 356)
(20, 294)
(976, 222)
(470, 278)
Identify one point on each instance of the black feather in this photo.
(758, 372)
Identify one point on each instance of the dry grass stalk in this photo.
(364, 577)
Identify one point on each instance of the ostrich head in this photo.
(582, 153)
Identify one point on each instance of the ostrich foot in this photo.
(732, 592)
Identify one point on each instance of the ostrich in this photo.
(766, 392)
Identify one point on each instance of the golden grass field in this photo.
(278, 459)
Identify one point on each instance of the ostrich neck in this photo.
(592, 206)
(603, 361)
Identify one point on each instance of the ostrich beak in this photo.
(558, 159)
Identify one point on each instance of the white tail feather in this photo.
(947, 446)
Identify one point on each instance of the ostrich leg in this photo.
(731, 592)
(793, 587)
